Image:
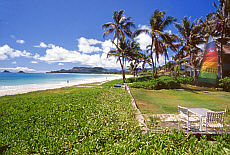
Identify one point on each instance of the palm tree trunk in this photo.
(143, 66)
(122, 69)
(165, 64)
(151, 57)
(220, 64)
(155, 64)
(153, 67)
(195, 75)
(190, 64)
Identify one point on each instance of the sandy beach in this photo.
(37, 87)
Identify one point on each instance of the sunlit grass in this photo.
(166, 101)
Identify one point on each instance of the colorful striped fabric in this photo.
(209, 69)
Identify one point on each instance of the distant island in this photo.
(21, 72)
(6, 71)
(98, 70)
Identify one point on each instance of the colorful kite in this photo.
(209, 69)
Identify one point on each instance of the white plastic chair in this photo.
(215, 120)
(184, 116)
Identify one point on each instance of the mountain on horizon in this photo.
(87, 70)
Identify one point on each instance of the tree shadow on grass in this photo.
(4, 148)
(191, 90)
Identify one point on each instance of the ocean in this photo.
(11, 81)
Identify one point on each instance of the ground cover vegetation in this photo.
(87, 120)
(225, 83)
(162, 82)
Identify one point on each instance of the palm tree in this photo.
(222, 19)
(120, 28)
(145, 59)
(135, 57)
(157, 25)
(125, 51)
(169, 41)
(191, 35)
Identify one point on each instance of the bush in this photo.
(138, 79)
(163, 82)
(185, 80)
(151, 84)
(225, 83)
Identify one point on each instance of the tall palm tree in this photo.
(191, 35)
(169, 41)
(222, 18)
(125, 51)
(157, 25)
(120, 28)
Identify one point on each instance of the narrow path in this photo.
(138, 114)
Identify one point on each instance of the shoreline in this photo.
(38, 87)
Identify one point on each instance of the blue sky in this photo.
(45, 35)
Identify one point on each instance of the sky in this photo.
(45, 35)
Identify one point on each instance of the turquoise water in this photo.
(11, 80)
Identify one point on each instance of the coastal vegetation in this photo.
(186, 43)
(88, 120)
(99, 119)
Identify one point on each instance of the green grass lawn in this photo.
(63, 120)
(166, 101)
(82, 120)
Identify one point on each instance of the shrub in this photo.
(138, 79)
(163, 82)
(185, 80)
(225, 83)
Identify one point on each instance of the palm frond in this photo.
(168, 20)
(107, 25)
(109, 31)
(138, 32)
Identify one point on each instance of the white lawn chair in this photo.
(215, 120)
(184, 116)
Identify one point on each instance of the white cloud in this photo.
(85, 45)
(107, 45)
(34, 62)
(6, 52)
(25, 69)
(14, 62)
(144, 40)
(144, 27)
(60, 54)
(60, 64)
(20, 41)
(36, 56)
(44, 45)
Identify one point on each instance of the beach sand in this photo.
(37, 87)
